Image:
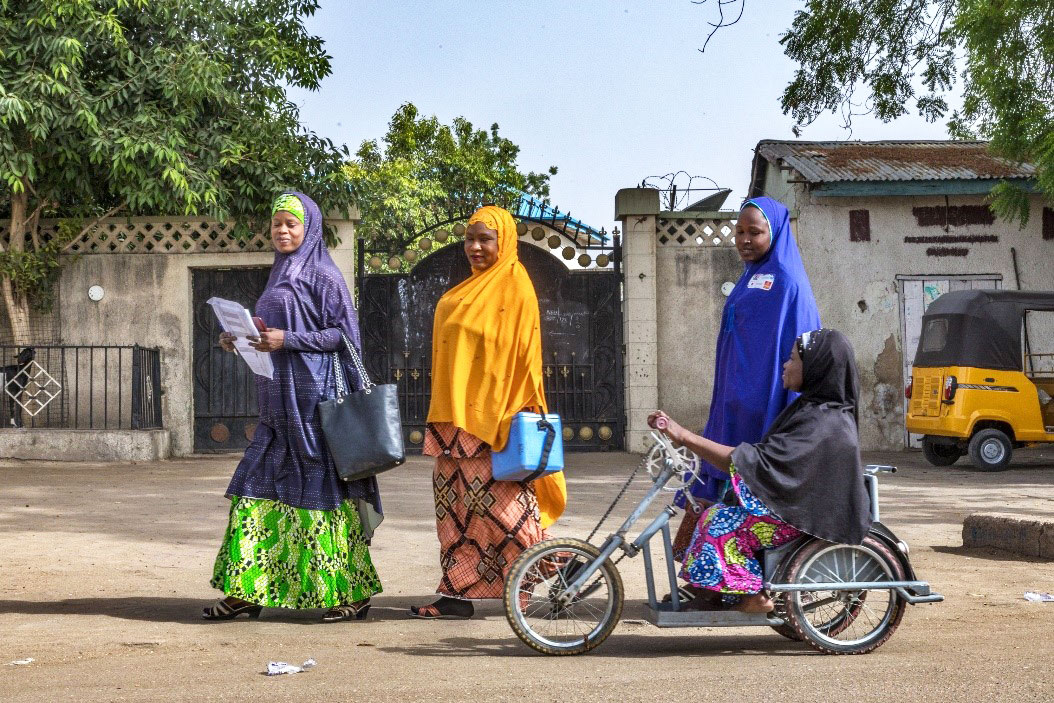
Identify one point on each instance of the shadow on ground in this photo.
(618, 646)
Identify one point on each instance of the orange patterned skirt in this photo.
(483, 524)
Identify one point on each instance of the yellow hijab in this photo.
(487, 353)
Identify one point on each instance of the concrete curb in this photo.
(1029, 536)
(85, 445)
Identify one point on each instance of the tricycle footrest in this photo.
(665, 616)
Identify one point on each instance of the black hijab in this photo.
(806, 468)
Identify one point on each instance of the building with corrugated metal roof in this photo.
(882, 168)
(885, 228)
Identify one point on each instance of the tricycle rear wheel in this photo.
(844, 621)
(536, 580)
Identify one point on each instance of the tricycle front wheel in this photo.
(532, 589)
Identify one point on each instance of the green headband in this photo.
(289, 203)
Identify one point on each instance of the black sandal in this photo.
(230, 608)
(445, 608)
(355, 611)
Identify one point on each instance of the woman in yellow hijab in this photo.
(486, 367)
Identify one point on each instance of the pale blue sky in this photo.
(609, 91)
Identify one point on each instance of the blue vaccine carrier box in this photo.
(522, 456)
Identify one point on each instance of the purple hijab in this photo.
(287, 460)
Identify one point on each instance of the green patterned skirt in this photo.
(279, 556)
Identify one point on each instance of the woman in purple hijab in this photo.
(298, 536)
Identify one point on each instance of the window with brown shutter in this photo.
(859, 226)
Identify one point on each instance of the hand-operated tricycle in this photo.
(565, 596)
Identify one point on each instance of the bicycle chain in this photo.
(615, 502)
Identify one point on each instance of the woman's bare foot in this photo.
(755, 603)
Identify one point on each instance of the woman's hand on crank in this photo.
(659, 420)
(268, 341)
(227, 341)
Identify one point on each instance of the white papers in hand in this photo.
(237, 320)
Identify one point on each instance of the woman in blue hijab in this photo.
(297, 536)
(770, 306)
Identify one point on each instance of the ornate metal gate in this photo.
(225, 410)
(581, 313)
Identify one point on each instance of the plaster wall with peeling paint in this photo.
(858, 284)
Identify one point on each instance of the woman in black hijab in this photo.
(804, 476)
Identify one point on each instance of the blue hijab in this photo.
(770, 306)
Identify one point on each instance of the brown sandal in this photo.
(443, 609)
(755, 603)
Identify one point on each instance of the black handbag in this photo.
(363, 429)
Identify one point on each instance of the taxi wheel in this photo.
(940, 454)
(991, 450)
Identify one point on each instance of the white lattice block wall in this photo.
(696, 231)
(158, 235)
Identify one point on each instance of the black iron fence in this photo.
(80, 387)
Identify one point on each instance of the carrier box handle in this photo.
(550, 437)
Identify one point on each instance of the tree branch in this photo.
(95, 223)
(33, 224)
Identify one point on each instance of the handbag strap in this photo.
(338, 369)
(550, 438)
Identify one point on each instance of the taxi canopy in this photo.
(980, 328)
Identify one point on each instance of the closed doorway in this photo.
(225, 410)
(916, 294)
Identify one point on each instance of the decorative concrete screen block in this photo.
(696, 232)
(185, 237)
(33, 388)
(158, 235)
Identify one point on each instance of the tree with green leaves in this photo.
(427, 172)
(173, 107)
(889, 57)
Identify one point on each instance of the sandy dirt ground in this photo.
(104, 569)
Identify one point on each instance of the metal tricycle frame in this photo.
(884, 547)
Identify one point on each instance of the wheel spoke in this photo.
(813, 605)
(834, 577)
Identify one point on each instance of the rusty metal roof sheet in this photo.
(831, 162)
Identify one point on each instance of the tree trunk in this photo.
(16, 306)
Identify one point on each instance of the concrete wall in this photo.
(86, 445)
(690, 303)
(148, 302)
(638, 209)
(674, 265)
(858, 292)
(776, 186)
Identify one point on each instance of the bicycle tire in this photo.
(521, 571)
(877, 563)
